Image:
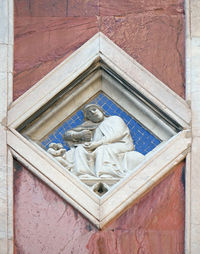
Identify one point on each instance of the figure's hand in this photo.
(91, 146)
(62, 151)
(86, 134)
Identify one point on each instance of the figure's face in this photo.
(94, 114)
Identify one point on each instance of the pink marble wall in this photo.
(46, 32)
(46, 224)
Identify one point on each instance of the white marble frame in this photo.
(6, 163)
(192, 217)
(157, 164)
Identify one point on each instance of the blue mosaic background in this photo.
(143, 140)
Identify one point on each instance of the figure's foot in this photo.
(107, 176)
(83, 176)
(110, 172)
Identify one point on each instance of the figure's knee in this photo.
(80, 150)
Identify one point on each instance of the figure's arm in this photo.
(113, 138)
(114, 130)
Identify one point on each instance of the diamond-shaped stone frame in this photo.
(157, 164)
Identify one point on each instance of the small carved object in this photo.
(58, 152)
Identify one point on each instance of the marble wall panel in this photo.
(122, 8)
(44, 223)
(80, 8)
(38, 8)
(150, 31)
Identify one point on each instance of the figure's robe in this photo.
(116, 141)
(107, 160)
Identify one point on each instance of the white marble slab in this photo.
(4, 21)
(6, 166)
(192, 230)
(3, 58)
(195, 18)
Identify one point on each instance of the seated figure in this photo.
(101, 147)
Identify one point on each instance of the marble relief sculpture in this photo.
(101, 147)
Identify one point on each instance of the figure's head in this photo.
(93, 113)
